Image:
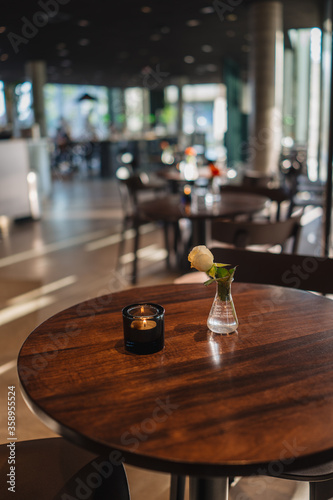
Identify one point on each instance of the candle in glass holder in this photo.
(143, 328)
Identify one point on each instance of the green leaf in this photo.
(208, 282)
(212, 271)
(221, 265)
(222, 272)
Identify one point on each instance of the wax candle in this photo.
(143, 328)
(143, 324)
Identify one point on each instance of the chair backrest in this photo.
(294, 271)
(246, 233)
(277, 195)
(253, 178)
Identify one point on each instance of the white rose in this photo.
(201, 258)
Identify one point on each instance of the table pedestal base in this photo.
(209, 488)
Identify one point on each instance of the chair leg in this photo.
(135, 251)
(98, 480)
(322, 490)
(177, 487)
(166, 243)
(121, 246)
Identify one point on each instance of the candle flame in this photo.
(144, 322)
(142, 309)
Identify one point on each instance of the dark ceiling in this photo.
(133, 42)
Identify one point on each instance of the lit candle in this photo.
(143, 328)
(144, 324)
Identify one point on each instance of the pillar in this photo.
(36, 74)
(266, 80)
(180, 112)
(146, 109)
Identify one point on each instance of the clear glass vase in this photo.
(222, 317)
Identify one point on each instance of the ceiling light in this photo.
(165, 30)
(231, 17)
(83, 23)
(192, 23)
(207, 48)
(86, 97)
(200, 69)
(211, 68)
(84, 42)
(146, 9)
(2, 29)
(61, 46)
(207, 10)
(66, 63)
(63, 53)
(189, 59)
(155, 37)
(4, 57)
(230, 33)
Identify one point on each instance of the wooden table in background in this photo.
(207, 405)
(171, 209)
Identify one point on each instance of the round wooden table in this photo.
(170, 209)
(206, 405)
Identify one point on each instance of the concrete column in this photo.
(266, 80)
(146, 109)
(11, 109)
(180, 133)
(36, 74)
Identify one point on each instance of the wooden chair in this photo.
(130, 188)
(256, 179)
(55, 469)
(296, 271)
(247, 233)
(277, 195)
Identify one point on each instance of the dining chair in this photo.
(55, 469)
(277, 195)
(256, 179)
(304, 272)
(130, 188)
(242, 234)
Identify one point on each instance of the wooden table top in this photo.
(205, 405)
(231, 204)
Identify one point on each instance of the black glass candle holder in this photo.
(143, 328)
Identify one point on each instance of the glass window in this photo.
(3, 116)
(86, 119)
(25, 114)
(134, 109)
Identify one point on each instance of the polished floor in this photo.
(70, 255)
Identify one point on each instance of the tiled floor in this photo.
(71, 255)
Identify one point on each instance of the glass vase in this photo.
(222, 317)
